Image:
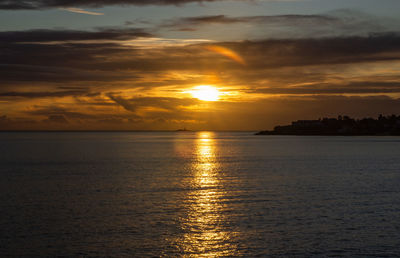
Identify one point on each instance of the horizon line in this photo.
(105, 131)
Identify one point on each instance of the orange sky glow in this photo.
(242, 67)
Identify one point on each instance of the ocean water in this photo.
(198, 194)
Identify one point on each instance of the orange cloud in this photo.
(227, 53)
(79, 10)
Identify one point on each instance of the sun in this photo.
(205, 93)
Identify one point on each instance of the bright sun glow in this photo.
(205, 92)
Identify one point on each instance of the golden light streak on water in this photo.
(205, 234)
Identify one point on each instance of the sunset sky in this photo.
(203, 65)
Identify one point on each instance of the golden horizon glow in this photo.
(205, 93)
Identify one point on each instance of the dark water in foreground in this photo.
(194, 194)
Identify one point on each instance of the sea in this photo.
(198, 194)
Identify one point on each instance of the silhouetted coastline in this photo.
(343, 125)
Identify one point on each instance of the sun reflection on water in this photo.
(205, 226)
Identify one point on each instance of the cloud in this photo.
(79, 10)
(49, 35)
(42, 94)
(43, 4)
(57, 111)
(58, 70)
(277, 19)
(137, 21)
(363, 87)
(31, 57)
(226, 52)
(301, 52)
(56, 119)
(107, 79)
(344, 22)
(164, 103)
(200, 20)
(128, 105)
(3, 119)
(24, 50)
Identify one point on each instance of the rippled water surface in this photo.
(198, 194)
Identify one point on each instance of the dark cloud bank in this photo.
(42, 4)
(273, 19)
(66, 56)
(47, 35)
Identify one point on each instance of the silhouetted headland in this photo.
(343, 125)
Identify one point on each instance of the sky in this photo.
(137, 64)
